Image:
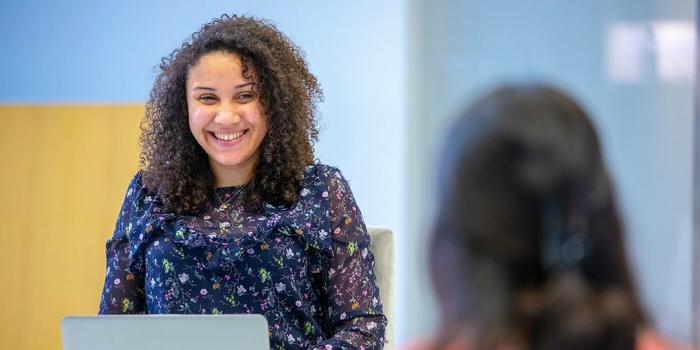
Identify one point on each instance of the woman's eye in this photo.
(246, 96)
(207, 99)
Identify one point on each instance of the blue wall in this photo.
(107, 52)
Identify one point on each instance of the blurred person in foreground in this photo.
(230, 212)
(528, 251)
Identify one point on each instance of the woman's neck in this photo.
(230, 176)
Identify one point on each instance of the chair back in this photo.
(383, 251)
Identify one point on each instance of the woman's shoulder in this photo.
(320, 170)
(136, 182)
(460, 341)
(137, 189)
(322, 183)
(651, 339)
(138, 199)
(319, 174)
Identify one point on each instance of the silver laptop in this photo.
(171, 332)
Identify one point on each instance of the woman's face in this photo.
(225, 116)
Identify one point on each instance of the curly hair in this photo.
(176, 167)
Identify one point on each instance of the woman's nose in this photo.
(228, 114)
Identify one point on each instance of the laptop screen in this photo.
(156, 332)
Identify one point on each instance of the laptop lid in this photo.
(156, 332)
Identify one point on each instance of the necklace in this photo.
(224, 205)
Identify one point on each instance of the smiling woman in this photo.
(229, 213)
(175, 161)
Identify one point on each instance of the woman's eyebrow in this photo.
(239, 86)
(243, 85)
(203, 88)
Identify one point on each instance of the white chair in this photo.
(383, 251)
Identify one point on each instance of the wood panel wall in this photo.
(63, 173)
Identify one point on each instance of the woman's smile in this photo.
(228, 136)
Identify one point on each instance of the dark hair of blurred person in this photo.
(527, 251)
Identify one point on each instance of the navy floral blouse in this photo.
(307, 268)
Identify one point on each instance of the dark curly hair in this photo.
(176, 167)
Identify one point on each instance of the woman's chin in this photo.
(227, 161)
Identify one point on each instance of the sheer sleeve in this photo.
(123, 291)
(354, 312)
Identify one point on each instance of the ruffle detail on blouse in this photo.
(228, 249)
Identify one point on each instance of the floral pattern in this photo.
(307, 268)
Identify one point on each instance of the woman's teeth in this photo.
(228, 137)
